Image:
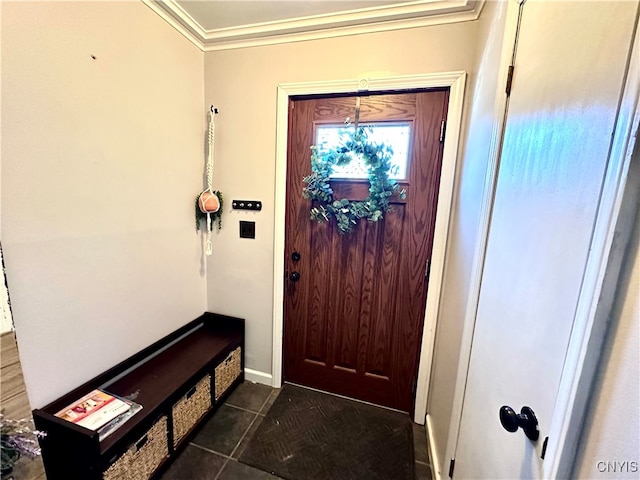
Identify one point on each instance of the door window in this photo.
(396, 135)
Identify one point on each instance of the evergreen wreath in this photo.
(377, 158)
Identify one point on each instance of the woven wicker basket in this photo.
(190, 408)
(228, 371)
(143, 457)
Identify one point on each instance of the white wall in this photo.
(243, 84)
(610, 444)
(101, 162)
(474, 154)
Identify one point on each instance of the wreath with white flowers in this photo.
(376, 157)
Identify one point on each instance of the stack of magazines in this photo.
(100, 411)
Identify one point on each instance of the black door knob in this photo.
(526, 420)
(294, 276)
(295, 256)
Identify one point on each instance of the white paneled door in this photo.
(569, 71)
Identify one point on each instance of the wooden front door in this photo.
(354, 303)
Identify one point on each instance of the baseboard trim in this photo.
(258, 377)
(433, 455)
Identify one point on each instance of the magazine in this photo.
(114, 424)
(94, 410)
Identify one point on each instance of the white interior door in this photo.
(569, 70)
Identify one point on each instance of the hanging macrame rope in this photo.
(212, 130)
(208, 201)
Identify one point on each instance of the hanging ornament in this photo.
(209, 202)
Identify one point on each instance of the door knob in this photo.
(294, 276)
(526, 420)
(295, 256)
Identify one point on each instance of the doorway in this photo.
(455, 81)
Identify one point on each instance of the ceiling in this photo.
(225, 24)
(216, 14)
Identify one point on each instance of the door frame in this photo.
(455, 81)
(600, 278)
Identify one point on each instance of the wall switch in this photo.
(247, 229)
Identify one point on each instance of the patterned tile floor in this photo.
(213, 452)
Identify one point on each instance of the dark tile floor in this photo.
(213, 452)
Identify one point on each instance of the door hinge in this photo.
(509, 80)
(452, 465)
(443, 128)
(426, 268)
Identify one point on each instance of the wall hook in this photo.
(214, 110)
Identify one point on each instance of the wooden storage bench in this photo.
(178, 380)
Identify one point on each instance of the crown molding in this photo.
(412, 14)
(171, 20)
